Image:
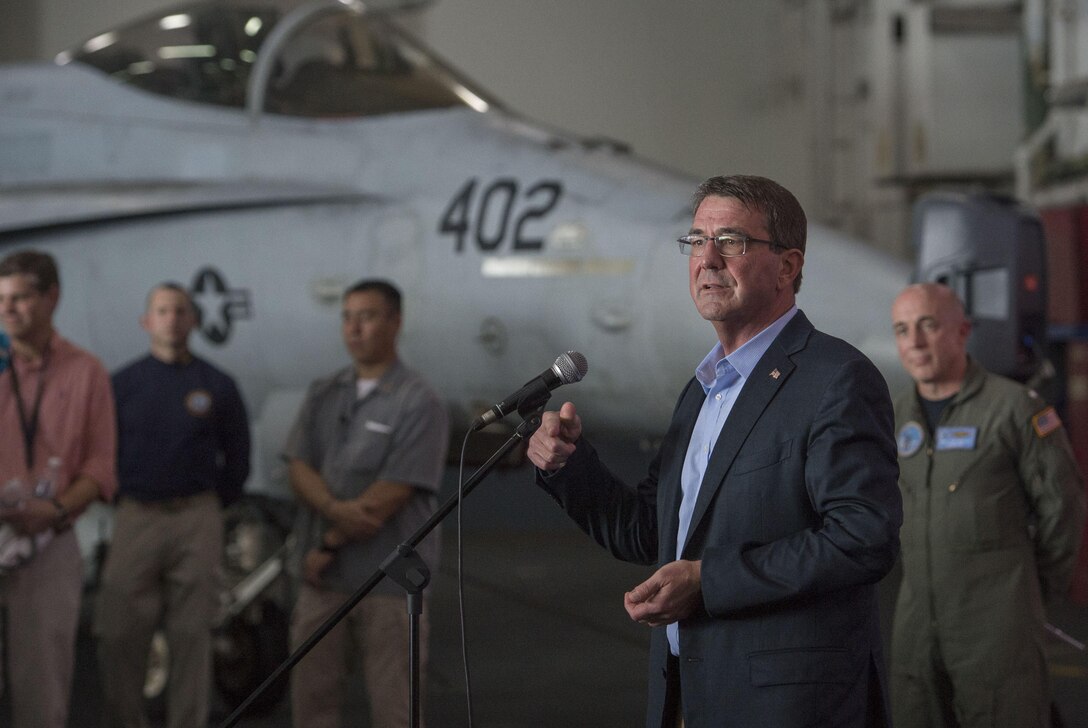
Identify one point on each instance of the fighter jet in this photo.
(267, 159)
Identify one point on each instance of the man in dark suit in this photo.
(772, 507)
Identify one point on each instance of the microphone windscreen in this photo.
(572, 366)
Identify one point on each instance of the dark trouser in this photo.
(673, 702)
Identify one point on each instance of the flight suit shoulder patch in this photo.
(1046, 422)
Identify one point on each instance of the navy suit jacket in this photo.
(797, 519)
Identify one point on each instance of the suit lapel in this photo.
(687, 411)
(774, 368)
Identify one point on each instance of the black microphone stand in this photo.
(406, 567)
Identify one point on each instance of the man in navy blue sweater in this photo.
(183, 452)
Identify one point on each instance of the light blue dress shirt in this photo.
(722, 378)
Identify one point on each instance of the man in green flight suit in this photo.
(993, 505)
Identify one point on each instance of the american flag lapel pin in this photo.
(775, 374)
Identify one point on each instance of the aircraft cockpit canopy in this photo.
(330, 63)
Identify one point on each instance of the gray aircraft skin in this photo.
(267, 159)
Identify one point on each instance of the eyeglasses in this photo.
(729, 245)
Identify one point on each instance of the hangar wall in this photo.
(703, 86)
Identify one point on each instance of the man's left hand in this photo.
(671, 594)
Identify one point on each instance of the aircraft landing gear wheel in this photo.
(158, 674)
(245, 653)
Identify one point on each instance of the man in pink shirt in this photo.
(57, 417)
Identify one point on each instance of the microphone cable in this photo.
(460, 575)
(567, 369)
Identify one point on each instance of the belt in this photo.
(171, 505)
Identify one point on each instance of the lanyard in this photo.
(30, 425)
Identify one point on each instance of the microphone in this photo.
(567, 369)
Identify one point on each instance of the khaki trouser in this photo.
(162, 570)
(41, 603)
(377, 629)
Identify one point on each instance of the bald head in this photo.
(931, 329)
(941, 295)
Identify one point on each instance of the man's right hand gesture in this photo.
(553, 442)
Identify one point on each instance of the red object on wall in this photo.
(1064, 229)
(1077, 424)
(1067, 305)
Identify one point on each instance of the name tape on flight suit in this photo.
(957, 438)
